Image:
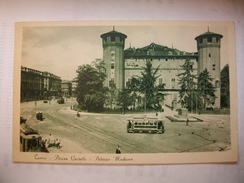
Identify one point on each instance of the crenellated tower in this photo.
(113, 55)
(208, 46)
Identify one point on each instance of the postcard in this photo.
(125, 92)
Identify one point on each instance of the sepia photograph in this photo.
(125, 92)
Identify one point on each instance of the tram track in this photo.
(100, 133)
(85, 125)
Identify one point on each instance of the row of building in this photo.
(38, 85)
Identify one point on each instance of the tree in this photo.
(225, 87)
(187, 86)
(205, 88)
(133, 87)
(124, 99)
(91, 93)
(148, 84)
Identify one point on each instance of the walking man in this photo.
(118, 150)
(187, 121)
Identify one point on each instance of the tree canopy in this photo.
(225, 87)
(91, 93)
(124, 99)
(206, 88)
(148, 84)
(187, 85)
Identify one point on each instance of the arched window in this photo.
(217, 83)
(112, 56)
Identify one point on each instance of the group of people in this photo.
(52, 142)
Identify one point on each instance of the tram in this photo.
(30, 140)
(144, 124)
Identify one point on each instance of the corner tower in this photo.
(113, 56)
(208, 46)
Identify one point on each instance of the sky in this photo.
(61, 49)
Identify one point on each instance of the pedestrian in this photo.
(35, 102)
(187, 121)
(46, 143)
(118, 150)
(51, 140)
(44, 146)
(57, 143)
(156, 113)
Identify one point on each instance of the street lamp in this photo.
(145, 102)
(145, 106)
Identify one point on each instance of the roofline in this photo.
(113, 32)
(207, 34)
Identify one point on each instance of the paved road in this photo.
(100, 133)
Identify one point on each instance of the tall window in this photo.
(160, 81)
(117, 39)
(173, 83)
(112, 65)
(217, 83)
(112, 56)
(112, 69)
(213, 67)
(217, 40)
(210, 39)
(113, 38)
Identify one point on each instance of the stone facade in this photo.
(169, 61)
(122, 65)
(38, 85)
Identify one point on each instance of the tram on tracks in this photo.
(144, 124)
(30, 140)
